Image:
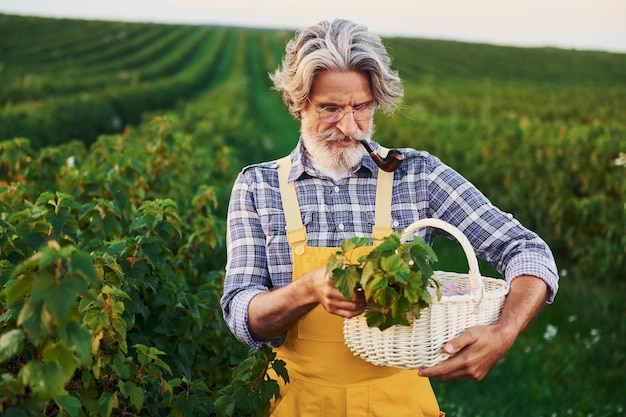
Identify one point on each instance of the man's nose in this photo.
(347, 124)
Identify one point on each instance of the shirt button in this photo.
(396, 223)
(341, 226)
(336, 189)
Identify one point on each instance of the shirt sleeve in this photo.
(246, 269)
(495, 235)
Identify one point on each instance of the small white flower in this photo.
(620, 161)
(70, 162)
(572, 318)
(550, 333)
(563, 273)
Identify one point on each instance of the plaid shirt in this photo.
(259, 257)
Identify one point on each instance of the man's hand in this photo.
(475, 352)
(271, 313)
(479, 348)
(333, 300)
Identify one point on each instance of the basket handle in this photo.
(476, 282)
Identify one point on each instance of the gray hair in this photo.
(340, 45)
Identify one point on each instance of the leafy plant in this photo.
(395, 277)
(251, 388)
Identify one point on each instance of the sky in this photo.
(569, 24)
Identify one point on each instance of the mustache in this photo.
(359, 135)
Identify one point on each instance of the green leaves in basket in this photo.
(395, 277)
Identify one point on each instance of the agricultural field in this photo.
(119, 143)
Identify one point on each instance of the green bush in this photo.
(110, 288)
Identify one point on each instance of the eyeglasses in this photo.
(333, 114)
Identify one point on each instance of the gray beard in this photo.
(335, 159)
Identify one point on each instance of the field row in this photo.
(461, 64)
(106, 82)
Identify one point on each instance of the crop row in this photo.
(183, 73)
(446, 62)
(156, 60)
(277, 127)
(26, 39)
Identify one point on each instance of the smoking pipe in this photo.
(389, 163)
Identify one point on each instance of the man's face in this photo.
(335, 145)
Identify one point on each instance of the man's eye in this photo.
(363, 106)
(333, 109)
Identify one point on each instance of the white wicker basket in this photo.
(420, 345)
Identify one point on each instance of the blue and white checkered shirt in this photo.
(259, 257)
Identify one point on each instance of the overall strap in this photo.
(296, 232)
(382, 217)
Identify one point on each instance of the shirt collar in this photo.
(301, 163)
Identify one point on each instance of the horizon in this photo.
(574, 24)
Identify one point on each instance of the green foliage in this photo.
(251, 389)
(43, 322)
(578, 341)
(49, 103)
(395, 277)
(564, 178)
(110, 287)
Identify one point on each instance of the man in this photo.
(285, 218)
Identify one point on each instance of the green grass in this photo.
(571, 360)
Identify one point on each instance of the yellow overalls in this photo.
(326, 379)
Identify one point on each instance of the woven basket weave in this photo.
(420, 344)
